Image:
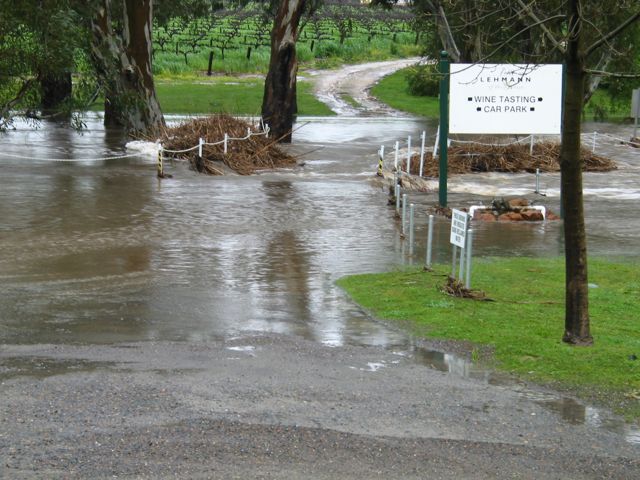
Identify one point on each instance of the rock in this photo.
(510, 217)
(531, 215)
(552, 216)
(518, 202)
(485, 216)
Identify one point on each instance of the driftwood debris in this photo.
(476, 158)
(243, 156)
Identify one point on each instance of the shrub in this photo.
(423, 80)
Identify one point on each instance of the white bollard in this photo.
(435, 145)
(429, 242)
(537, 180)
(226, 141)
(467, 282)
(397, 198)
(200, 142)
(411, 213)
(395, 162)
(409, 155)
(422, 137)
(531, 146)
(404, 212)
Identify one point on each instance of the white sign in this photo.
(458, 227)
(505, 98)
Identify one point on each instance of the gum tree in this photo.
(279, 103)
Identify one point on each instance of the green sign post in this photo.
(444, 127)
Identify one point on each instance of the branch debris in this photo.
(243, 156)
(476, 158)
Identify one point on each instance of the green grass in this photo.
(233, 95)
(524, 324)
(392, 90)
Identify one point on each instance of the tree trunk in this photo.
(576, 283)
(56, 89)
(124, 66)
(279, 104)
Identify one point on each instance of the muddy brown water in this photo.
(102, 251)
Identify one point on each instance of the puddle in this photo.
(41, 367)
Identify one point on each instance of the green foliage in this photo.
(423, 80)
(393, 90)
(233, 95)
(525, 323)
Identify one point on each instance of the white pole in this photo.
(397, 199)
(395, 162)
(423, 137)
(382, 151)
(453, 263)
(461, 270)
(404, 211)
(409, 155)
(411, 212)
(226, 140)
(200, 142)
(469, 246)
(531, 146)
(429, 241)
(537, 180)
(266, 129)
(435, 145)
(593, 148)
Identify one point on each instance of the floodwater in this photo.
(102, 251)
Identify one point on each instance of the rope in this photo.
(48, 159)
(164, 150)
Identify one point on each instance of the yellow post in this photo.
(160, 168)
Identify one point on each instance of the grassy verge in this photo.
(233, 95)
(392, 90)
(524, 324)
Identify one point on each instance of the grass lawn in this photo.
(524, 324)
(234, 95)
(392, 90)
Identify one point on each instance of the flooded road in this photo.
(113, 280)
(102, 251)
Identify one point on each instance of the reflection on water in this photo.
(102, 251)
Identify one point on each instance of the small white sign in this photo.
(458, 227)
(505, 98)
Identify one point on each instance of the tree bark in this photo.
(124, 66)
(576, 283)
(279, 103)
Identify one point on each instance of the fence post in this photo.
(429, 242)
(409, 155)
(160, 166)
(423, 138)
(395, 162)
(404, 212)
(411, 213)
(467, 283)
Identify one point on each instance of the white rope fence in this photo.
(49, 159)
(161, 150)
(588, 139)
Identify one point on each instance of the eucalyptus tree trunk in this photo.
(124, 66)
(576, 284)
(279, 103)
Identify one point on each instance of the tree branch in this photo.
(556, 43)
(616, 31)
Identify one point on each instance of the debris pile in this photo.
(455, 288)
(243, 156)
(476, 158)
